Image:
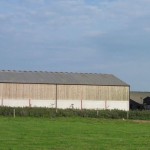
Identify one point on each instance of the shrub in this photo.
(51, 113)
(139, 115)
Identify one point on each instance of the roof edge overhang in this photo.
(63, 84)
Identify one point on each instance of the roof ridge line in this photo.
(53, 72)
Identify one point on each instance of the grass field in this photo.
(73, 134)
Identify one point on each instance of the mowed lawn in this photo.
(73, 134)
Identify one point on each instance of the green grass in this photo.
(72, 134)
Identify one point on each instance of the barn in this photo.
(139, 100)
(63, 90)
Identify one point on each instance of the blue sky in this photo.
(96, 36)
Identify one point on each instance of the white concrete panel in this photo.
(93, 104)
(43, 103)
(28, 103)
(16, 103)
(121, 105)
(76, 104)
(1, 102)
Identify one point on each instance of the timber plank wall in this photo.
(64, 92)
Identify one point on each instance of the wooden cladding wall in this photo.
(64, 92)
(27, 91)
(93, 92)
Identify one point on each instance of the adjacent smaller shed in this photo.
(63, 90)
(138, 96)
(137, 99)
(146, 103)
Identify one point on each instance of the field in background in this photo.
(73, 134)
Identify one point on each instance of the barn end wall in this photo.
(64, 96)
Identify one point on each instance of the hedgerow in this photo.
(52, 113)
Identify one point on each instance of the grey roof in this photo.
(59, 78)
(139, 96)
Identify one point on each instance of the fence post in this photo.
(97, 113)
(127, 114)
(14, 112)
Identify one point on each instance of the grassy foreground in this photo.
(73, 134)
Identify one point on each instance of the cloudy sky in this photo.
(96, 36)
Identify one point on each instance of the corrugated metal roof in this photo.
(59, 78)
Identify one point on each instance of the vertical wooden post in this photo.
(128, 105)
(56, 99)
(105, 104)
(2, 102)
(14, 113)
(97, 112)
(82, 98)
(29, 102)
(127, 114)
